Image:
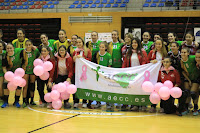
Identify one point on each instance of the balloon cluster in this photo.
(41, 69)
(15, 79)
(60, 91)
(161, 91)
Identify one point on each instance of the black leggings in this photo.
(40, 88)
(61, 78)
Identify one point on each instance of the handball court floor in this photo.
(42, 120)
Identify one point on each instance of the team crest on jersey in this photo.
(29, 55)
(13, 58)
(162, 75)
(101, 58)
(145, 47)
(94, 46)
(114, 46)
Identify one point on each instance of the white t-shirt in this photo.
(134, 60)
(62, 69)
(158, 56)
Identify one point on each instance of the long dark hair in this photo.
(139, 48)
(3, 44)
(62, 46)
(48, 49)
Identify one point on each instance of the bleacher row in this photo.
(27, 4)
(99, 4)
(162, 3)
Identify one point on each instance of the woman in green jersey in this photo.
(15, 58)
(2, 56)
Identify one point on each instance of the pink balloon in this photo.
(23, 83)
(38, 62)
(158, 86)
(57, 104)
(38, 70)
(19, 72)
(47, 66)
(47, 97)
(176, 92)
(11, 86)
(9, 76)
(71, 89)
(66, 83)
(55, 94)
(168, 84)
(17, 80)
(147, 86)
(61, 87)
(164, 91)
(44, 76)
(165, 98)
(55, 87)
(154, 98)
(65, 95)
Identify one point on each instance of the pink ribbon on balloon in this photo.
(146, 75)
(84, 70)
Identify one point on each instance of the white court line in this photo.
(92, 116)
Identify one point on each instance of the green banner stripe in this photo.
(126, 99)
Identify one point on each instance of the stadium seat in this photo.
(13, 4)
(37, 3)
(19, 3)
(26, 7)
(2, 8)
(1, 4)
(56, 2)
(155, 1)
(97, 2)
(126, 1)
(83, 2)
(7, 7)
(184, 4)
(163, 1)
(39, 7)
(104, 1)
(115, 5)
(6, 4)
(78, 6)
(24, 0)
(30, 0)
(123, 5)
(49, 3)
(76, 2)
(146, 5)
(93, 6)
(32, 7)
(51, 6)
(6, 1)
(18, 0)
(45, 6)
(20, 7)
(161, 5)
(31, 3)
(100, 6)
(119, 1)
(90, 2)
(71, 6)
(14, 7)
(25, 3)
(12, 0)
(86, 6)
(44, 3)
(1, 1)
(153, 5)
(108, 6)
(35, 0)
(148, 1)
(111, 1)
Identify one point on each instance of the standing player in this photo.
(20, 41)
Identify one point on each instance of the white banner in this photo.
(113, 81)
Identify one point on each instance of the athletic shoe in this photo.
(84, 105)
(161, 110)
(24, 105)
(42, 105)
(67, 106)
(49, 105)
(33, 103)
(195, 113)
(178, 113)
(144, 108)
(4, 105)
(185, 112)
(118, 106)
(16, 104)
(152, 110)
(134, 108)
(75, 105)
(123, 108)
(98, 105)
(190, 106)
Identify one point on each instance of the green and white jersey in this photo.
(50, 45)
(2, 55)
(147, 46)
(105, 60)
(31, 57)
(192, 70)
(16, 59)
(117, 55)
(94, 47)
